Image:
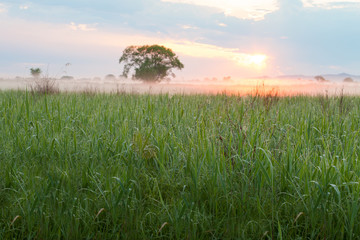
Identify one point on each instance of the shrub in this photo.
(44, 85)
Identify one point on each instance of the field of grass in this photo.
(97, 166)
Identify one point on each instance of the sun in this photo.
(258, 60)
(252, 60)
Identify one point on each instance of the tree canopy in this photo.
(150, 63)
(35, 72)
(320, 78)
(348, 79)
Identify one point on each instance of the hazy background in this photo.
(213, 38)
(282, 86)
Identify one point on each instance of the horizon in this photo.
(339, 76)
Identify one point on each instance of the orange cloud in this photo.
(82, 27)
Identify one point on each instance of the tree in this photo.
(67, 77)
(320, 78)
(348, 79)
(150, 63)
(35, 72)
(110, 77)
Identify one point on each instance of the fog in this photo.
(283, 86)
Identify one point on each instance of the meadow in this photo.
(141, 166)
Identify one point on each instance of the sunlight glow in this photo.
(257, 60)
(251, 61)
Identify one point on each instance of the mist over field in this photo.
(283, 85)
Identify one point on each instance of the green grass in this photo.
(80, 166)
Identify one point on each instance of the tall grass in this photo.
(80, 166)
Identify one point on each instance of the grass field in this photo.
(102, 166)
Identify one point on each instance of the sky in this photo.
(213, 38)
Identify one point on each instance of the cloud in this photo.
(294, 36)
(255, 9)
(33, 64)
(201, 50)
(82, 27)
(3, 8)
(100, 50)
(331, 4)
(335, 67)
(23, 7)
(186, 27)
